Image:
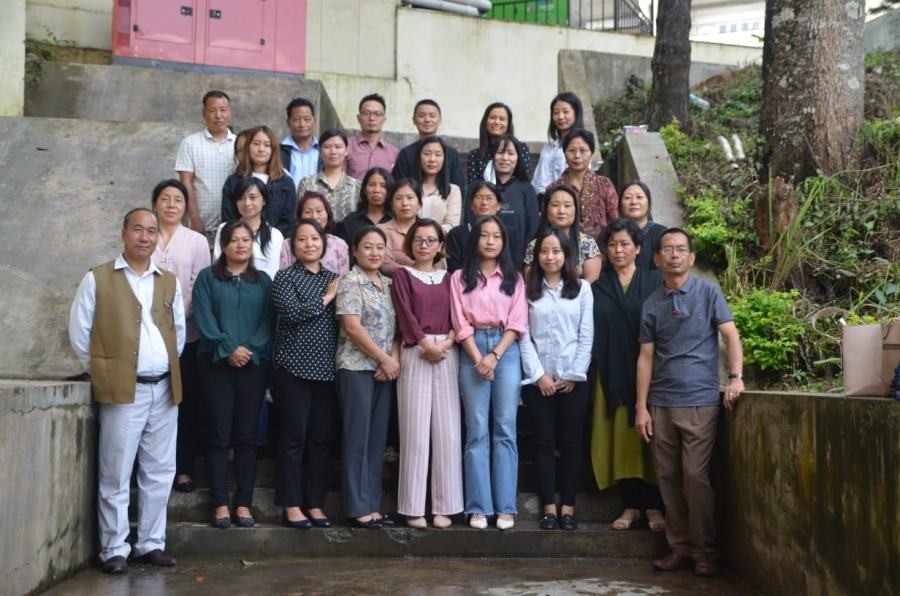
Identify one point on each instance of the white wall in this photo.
(86, 22)
(12, 58)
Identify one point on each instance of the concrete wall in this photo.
(86, 22)
(883, 32)
(810, 493)
(12, 58)
(48, 470)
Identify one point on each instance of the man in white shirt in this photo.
(204, 160)
(127, 328)
(300, 149)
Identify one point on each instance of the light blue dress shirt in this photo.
(304, 162)
(559, 336)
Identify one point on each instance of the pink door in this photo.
(164, 29)
(239, 34)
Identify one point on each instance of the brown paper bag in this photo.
(861, 356)
(870, 353)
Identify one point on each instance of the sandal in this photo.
(625, 520)
(655, 520)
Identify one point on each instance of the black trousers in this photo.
(188, 419)
(307, 412)
(234, 397)
(558, 423)
(640, 495)
(365, 410)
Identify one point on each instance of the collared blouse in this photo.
(394, 256)
(336, 257)
(487, 306)
(559, 336)
(422, 303)
(342, 197)
(358, 295)
(186, 255)
(599, 202)
(551, 164)
(306, 343)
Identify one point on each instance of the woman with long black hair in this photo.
(496, 122)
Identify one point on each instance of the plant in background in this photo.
(39, 53)
(771, 333)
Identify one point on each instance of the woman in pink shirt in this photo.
(183, 252)
(489, 314)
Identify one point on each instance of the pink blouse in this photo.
(185, 256)
(487, 306)
(336, 258)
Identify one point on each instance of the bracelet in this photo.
(496, 355)
(737, 376)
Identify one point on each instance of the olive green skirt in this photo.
(617, 451)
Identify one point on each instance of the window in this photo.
(755, 25)
(745, 26)
(734, 28)
(723, 29)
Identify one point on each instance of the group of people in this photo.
(347, 276)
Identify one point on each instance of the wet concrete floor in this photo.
(437, 577)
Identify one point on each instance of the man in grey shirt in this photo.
(678, 398)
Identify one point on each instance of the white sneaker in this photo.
(506, 524)
(441, 522)
(478, 521)
(418, 523)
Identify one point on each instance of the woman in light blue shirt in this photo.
(556, 353)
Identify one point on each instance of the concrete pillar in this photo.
(12, 59)
(573, 78)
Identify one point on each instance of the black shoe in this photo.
(548, 522)
(156, 557)
(184, 487)
(568, 522)
(322, 522)
(222, 523)
(115, 566)
(303, 524)
(372, 524)
(387, 521)
(243, 522)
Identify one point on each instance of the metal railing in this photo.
(603, 15)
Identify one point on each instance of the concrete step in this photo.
(600, 507)
(526, 540)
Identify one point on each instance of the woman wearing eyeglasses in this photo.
(597, 195)
(427, 388)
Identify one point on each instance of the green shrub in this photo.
(771, 334)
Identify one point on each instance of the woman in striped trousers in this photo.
(427, 388)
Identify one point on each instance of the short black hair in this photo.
(671, 231)
(132, 212)
(215, 93)
(620, 225)
(372, 97)
(579, 133)
(427, 102)
(330, 134)
(363, 232)
(300, 102)
(171, 182)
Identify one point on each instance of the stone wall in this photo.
(48, 470)
(809, 493)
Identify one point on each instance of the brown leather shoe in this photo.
(673, 562)
(706, 566)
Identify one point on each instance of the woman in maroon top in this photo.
(427, 388)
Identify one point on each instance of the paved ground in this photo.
(438, 577)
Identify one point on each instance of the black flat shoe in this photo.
(372, 524)
(548, 522)
(387, 521)
(221, 523)
(568, 522)
(184, 487)
(156, 557)
(115, 566)
(321, 522)
(243, 522)
(303, 524)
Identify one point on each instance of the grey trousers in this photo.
(365, 408)
(682, 445)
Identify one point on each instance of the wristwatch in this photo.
(738, 376)
(496, 355)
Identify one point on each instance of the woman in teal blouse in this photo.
(233, 312)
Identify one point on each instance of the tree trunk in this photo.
(813, 86)
(671, 64)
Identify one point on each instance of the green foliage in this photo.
(39, 53)
(770, 332)
(714, 224)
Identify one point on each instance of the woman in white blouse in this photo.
(441, 200)
(250, 198)
(566, 114)
(556, 353)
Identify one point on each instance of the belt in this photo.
(152, 380)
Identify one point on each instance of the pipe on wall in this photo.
(458, 7)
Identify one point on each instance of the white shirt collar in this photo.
(121, 263)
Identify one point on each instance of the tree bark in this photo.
(813, 86)
(671, 64)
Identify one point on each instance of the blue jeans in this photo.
(491, 471)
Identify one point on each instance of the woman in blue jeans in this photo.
(489, 314)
